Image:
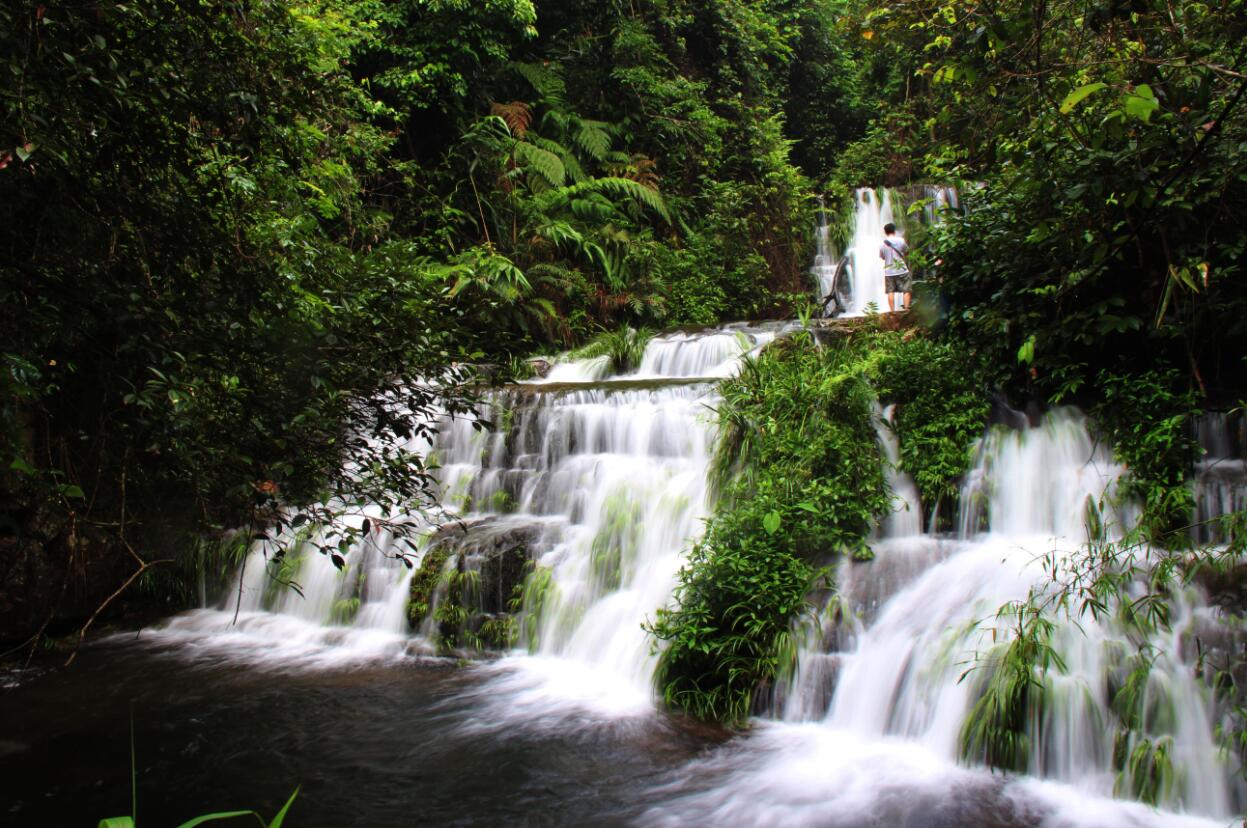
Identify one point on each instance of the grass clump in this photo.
(1011, 685)
(625, 347)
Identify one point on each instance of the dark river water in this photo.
(399, 743)
(398, 738)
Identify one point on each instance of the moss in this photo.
(424, 584)
(345, 610)
(616, 542)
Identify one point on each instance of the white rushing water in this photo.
(614, 475)
(594, 484)
(910, 641)
(599, 479)
(872, 211)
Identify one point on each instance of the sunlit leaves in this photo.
(1080, 94)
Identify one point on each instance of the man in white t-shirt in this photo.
(896, 276)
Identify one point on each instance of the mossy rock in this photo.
(424, 585)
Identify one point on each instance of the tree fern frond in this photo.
(574, 171)
(560, 232)
(627, 187)
(545, 163)
(591, 136)
(517, 115)
(557, 121)
(595, 208)
(548, 82)
(551, 199)
(563, 279)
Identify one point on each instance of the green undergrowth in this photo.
(941, 406)
(1010, 683)
(1147, 416)
(1126, 576)
(800, 483)
(624, 347)
(471, 608)
(424, 584)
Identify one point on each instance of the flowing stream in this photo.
(594, 483)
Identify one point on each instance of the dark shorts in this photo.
(897, 282)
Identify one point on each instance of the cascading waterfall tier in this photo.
(574, 512)
(914, 635)
(873, 209)
(608, 477)
(1221, 475)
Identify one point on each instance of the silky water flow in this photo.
(601, 478)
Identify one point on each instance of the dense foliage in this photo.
(801, 485)
(249, 247)
(246, 242)
(940, 395)
(1099, 263)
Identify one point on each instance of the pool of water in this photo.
(409, 741)
(396, 737)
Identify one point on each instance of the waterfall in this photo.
(825, 258)
(911, 635)
(872, 211)
(573, 516)
(592, 483)
(1221, 474)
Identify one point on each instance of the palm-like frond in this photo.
(517, 115)
(574, 171)
(592, 137)
(548, 83)
(633, 189)
(550, 200)
(541, 161)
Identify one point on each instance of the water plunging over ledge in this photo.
(603, 479)
(861, 267)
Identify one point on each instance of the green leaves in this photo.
(1140, 102)
(1026, 353)
(544, 163)
(1080, 94)
(801, 480)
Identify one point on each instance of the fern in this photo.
(627, 187)
(591, 136)
(545, 163)
(547, 82)
(572, 166)
(551, 199)
(517, 115)
(596, 208)
(560, 232)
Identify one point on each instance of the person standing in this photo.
(896, 276)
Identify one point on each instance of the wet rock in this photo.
(474, 597)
